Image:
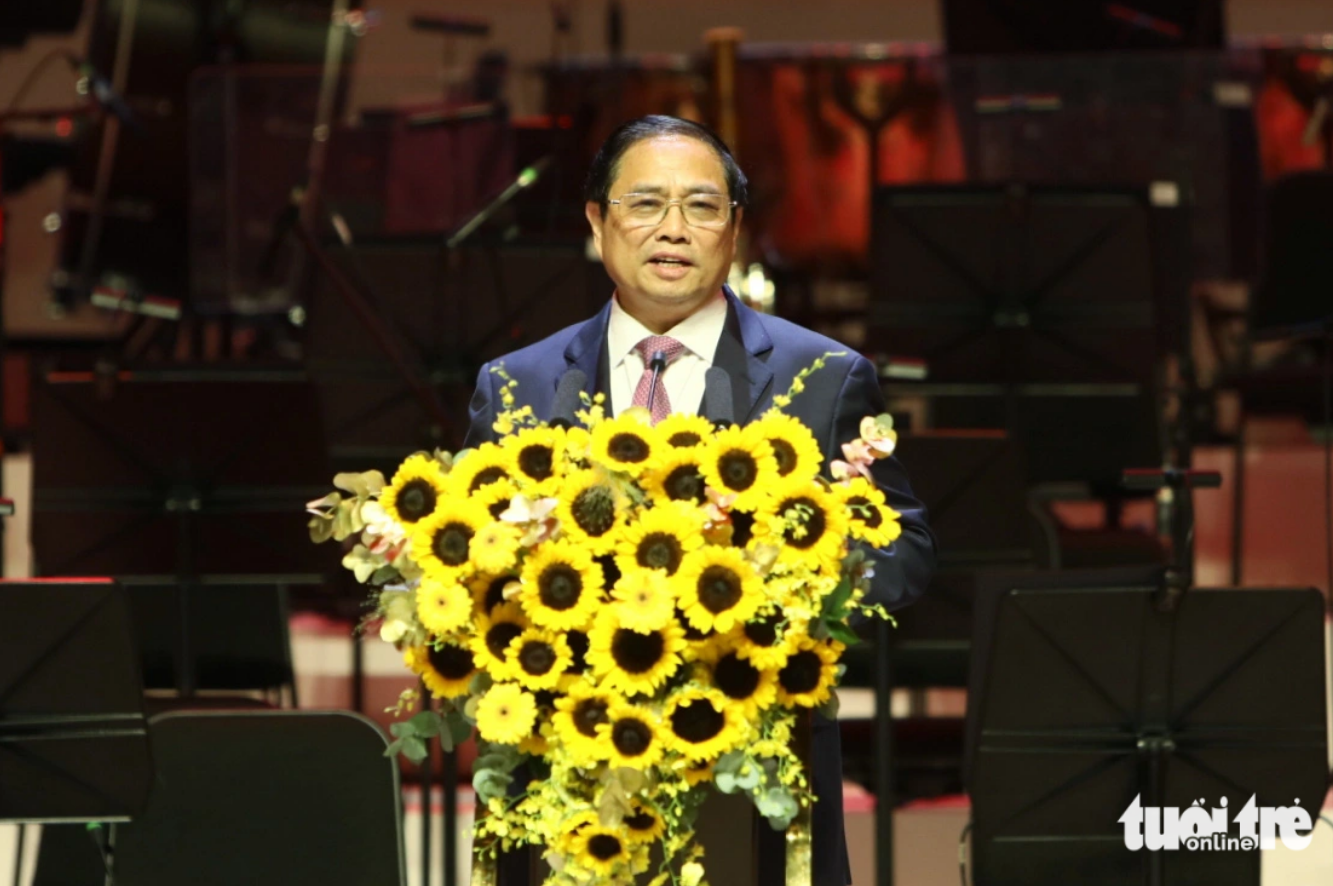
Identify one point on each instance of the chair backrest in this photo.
(303, 799)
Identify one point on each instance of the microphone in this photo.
(567, 398)
(719, 402)
(658, 365)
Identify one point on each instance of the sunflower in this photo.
(484, 465)
(578, 443)
(738, 461)
(561, 586)
(660, 538)
(808, 676)
(442, 542)
(600, 850)
(495, 546)
(633, 662)
(538, 659)
(644, 824)
(445, 668)
(630, 737)
(750, 688)
(677, 476)
(418, 487)
(717, 588)
(683, 431)
(506, 714)
(589, 511)
(767, 640)
(646, 600)
(495, 497)
(869, 518)
(625, 444)
(795, 448)
(702, 723)
(494, 632)
(536, 455)
(488, 591)
(576, 718)
(442, 607)
(808, 523)
(698, 771)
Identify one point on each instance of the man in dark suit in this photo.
(665, 200)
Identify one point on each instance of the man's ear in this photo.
(593, 211)
(737, 216)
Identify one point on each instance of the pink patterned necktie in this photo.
(671, 349)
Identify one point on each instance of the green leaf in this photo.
(729, 762)
(414, 749)
(835, 604)
(426, 724)
(725, 782)
(829, 709)
(749, 776)
(490, 784)
(400, 729)
(840, 632)
(458, 729)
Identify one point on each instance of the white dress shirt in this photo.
(684, 377)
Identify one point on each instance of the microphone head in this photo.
(719, 403)
(567, 397)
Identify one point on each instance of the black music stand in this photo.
(180, 473)
(1036, 309)
(1086, 693)
(73, 739)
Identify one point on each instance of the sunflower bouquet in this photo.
(629, 615)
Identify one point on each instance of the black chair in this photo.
(301, 799)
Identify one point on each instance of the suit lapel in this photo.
(586, 351)
(743, 352)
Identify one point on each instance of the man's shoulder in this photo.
(795, 344)
(540, 355)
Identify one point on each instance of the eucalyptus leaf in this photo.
(829, 709)
(491, 784)
(427, 724)
(414, 749)
(729, 762)
(749, 776)
(725, 782)
(843, 634)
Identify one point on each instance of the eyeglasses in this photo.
(650, 210)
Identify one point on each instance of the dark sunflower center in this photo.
(685, 483)
(660, 550)
(684, 439)
(536, 461)
(763, 632)
(636, 653)
(578, 645)
(631, 737)
(742, 528)
(451, 542)
(486, 476)
(588, 715)
(451, 662)
(736, 677)
(640, 821)
(495, 592)
(786, 456)
(865, 511)
(801, 673)
(738, 469)
(628, 447)
(594, 510)
(719, 589)
(603, 847)
(536, 658)
(560, 586)
(814, 520)
(500, 635)
(697, 721)
(415, 500)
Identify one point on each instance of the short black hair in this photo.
(597, 189)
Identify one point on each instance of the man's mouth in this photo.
(668, 261)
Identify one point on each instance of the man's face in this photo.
(664, 272)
